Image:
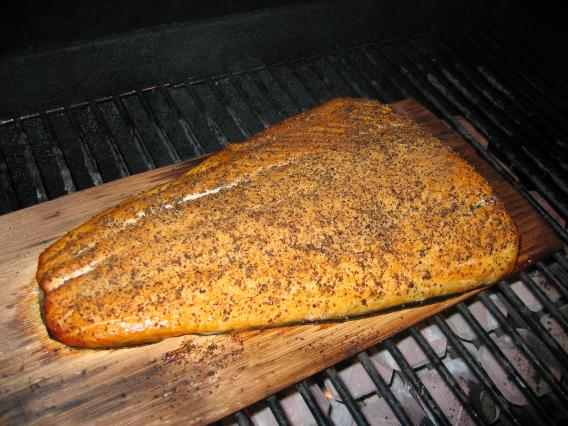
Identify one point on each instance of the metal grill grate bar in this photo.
(507, 80)
(108, 137)
(498, 113)
(222, 138)
(533, 106)
(314, 408)
(561, 261)
(255, 108)
(522, 315)
(551, 278)
(446, 376)
(24, 173)
(81, 165)
(266, 93)
(150, 148)
(406, 371)
(188, 146)
(160, 131)
(516, 109)
(8, 199)
(504, 362)
(368, 71)
(542, 298)
(535, 67)
(496, 76)
(296, 99)
(513, 65)
(346, 397)
(354, 89)
(98, 148)
(85, 151)
(50, 161)
(383, 389)
(527, 351)
(476, 368)
(243, 419)
(127, 136)
(244, 131)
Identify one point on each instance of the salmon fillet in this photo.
(347, 209)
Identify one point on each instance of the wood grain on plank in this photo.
(197, 379)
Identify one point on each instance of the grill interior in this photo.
(477, 72)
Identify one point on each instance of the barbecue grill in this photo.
(123, 104)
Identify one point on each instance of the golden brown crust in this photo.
(343, 210)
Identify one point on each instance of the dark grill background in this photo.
(476, 72)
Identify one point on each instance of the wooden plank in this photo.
(197, 379)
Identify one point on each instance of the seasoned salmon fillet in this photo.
(343, 210)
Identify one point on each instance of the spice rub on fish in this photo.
(346, 209)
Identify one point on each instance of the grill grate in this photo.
(475, 72)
